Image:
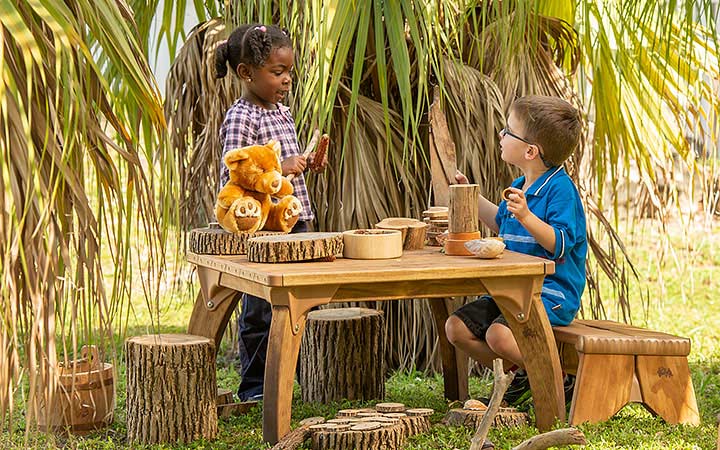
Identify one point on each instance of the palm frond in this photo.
(73, 181)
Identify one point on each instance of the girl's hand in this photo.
(517, 204)
(460, 178)
(317, 166)
(294, 164)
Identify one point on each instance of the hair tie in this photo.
(261, 28)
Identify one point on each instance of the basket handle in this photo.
(90, 353)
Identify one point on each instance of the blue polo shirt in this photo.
(555, 200)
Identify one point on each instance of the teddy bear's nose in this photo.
(276, 183)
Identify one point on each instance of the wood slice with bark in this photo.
(341, 356)
(213, 240)
(506, 417)
(413, 231)
(295, 247)
(171, 388)
(376, 437)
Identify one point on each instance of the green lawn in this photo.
(683, 299)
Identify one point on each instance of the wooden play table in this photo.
(515, 281)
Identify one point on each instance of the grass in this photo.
(682, 280)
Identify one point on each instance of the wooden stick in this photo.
(309, 149)
(563, 436)
(295, 438)
(502, 381)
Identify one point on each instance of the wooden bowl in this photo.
(372, 244)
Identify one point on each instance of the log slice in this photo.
(294, 247)
(213, 240)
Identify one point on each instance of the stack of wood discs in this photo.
(386, 426)
(472, 412)
(437, 219)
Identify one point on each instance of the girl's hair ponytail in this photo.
(221, 60)
(249, 44)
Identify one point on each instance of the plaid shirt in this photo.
(249, 124)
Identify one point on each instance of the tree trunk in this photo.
(213, 240)
(341, 356)
(295, 247)
(171, 388)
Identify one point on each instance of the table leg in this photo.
(537, 344)
(214, 305)
(454, 361)
(282, 354)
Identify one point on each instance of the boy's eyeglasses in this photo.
(505, 132)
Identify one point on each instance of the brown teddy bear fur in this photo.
(244, 204)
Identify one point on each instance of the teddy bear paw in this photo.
(247, 209)
(294, 208)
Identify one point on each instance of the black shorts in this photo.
(479, 315)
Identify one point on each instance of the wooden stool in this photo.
(171, 388)
(342, 355)
(617, 364)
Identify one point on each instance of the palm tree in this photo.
(80, 119)
(365, 70)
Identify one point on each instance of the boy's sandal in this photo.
(487, 444)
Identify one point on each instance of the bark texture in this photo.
(506, 417)
(213, 240)
(295, 247)
(413, 231)
(341, 356)
(171, 389)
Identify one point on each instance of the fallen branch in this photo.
(296, 437)
(563, 436)
(500, 385)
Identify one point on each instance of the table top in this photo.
(418, 265)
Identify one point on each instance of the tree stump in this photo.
(295, 247)
(171, 388)
(342, 355)
(213, 240)
(413, 231)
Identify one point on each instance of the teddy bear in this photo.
(245, 205)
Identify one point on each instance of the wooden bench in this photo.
(616, 364)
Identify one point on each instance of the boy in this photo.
(543, 216)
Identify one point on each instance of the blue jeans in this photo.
(254, 329)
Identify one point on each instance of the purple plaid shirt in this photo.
(249, 124)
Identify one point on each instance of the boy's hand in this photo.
(517, 204)
(294, 164)
(460, 178)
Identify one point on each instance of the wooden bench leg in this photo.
(454, 361)
(602, 387)
(667, 388)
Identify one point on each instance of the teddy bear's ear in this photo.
(233, 157)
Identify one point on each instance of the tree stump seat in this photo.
(341, 356)
(616, 364)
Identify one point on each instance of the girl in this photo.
(262, 57)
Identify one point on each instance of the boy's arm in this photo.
(487, 210)
(543, 233)
(564, 224)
